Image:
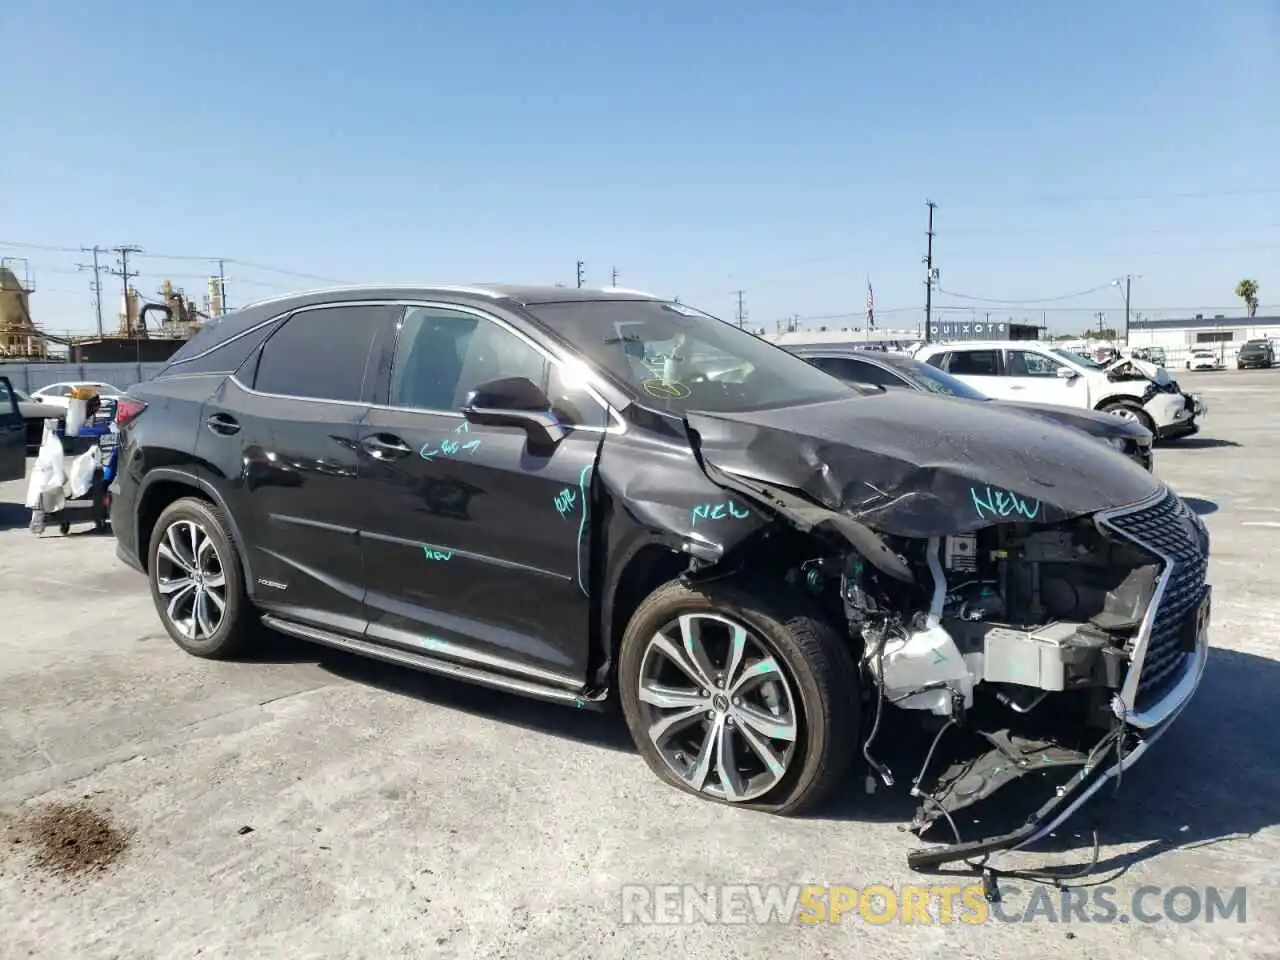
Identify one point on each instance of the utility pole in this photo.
(928, 280)
(580, 266)
(124, 273)
(742, 310)
(615, 276)
(222, 286)
(1126, 288)
(96, 267)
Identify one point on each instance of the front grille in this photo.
(1168, 528)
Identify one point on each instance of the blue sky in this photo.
(698, 147)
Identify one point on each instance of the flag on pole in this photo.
(871, 307)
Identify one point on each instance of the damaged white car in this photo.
(1039, 372)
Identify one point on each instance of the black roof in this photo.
(843, 350)
(553, 294)
(243, 318)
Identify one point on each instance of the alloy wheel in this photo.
(1126, 413)
(718, 706)
(190, 577)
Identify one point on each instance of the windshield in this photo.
(676, 358)
(1077, 359)
(936, 381)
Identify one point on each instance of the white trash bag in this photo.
(49, 472)
(80, 476)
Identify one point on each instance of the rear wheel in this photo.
(196, 580)
(1130, 410)
(737, 697)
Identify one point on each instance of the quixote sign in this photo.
(972, 330)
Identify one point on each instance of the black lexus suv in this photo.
(600, 496)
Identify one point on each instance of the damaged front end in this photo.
(1067, 649)
(1036, 646)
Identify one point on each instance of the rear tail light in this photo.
(127, 411)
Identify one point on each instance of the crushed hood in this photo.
(1132, 367)
(917, 465)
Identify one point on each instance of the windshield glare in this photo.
(676, 358)
(936, 381)
(1078, 359)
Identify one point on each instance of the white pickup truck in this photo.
(1039, 372)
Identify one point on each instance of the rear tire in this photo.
(197, 583)
(769, 682)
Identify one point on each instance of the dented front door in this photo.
(476, 546)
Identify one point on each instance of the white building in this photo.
(1224, 334)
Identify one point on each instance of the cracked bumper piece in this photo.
(1115, 753)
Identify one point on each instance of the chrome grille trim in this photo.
(1161, 677)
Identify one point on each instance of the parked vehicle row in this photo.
(892, 371)
(599, 497)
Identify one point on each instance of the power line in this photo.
(1067, 296)
(1051, 198)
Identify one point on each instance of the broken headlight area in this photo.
(1025, 653)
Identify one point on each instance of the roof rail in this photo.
(638, 293)
(450, 287)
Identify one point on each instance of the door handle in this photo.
(384, 446)
(223, 424)
(20, 425)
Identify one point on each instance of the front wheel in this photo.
(738, 697)
(196, 580)
(1130, 410)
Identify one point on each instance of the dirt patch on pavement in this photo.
(68, 838)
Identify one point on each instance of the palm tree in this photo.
(1247, 290)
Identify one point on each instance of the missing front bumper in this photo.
(1117, 751)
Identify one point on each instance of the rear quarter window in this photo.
(216, 350)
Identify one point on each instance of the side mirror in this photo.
(514, 401)
(1066, 373)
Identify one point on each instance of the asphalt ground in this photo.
(397, 814)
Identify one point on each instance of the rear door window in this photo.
(321, 353)
(975, 363)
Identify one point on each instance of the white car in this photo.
(57, 394)
(1039, 372)
(1205, 360)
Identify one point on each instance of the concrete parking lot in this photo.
(396, 814)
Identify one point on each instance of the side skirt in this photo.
(581, 698)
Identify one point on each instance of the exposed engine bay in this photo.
(1019, 637)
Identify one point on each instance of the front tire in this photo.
(1132, 411)
(196, 581)
(748, 698)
